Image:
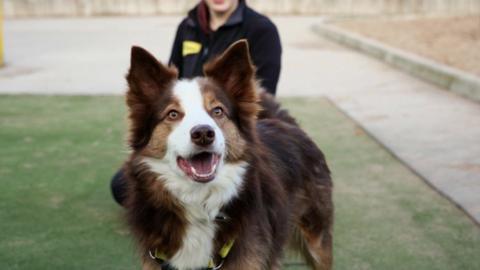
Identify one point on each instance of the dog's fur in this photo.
(271, 181)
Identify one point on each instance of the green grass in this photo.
(57, 155)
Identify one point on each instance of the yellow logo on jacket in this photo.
(190, 47)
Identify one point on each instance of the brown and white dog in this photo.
(217, 168)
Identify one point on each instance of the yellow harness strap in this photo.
(226, 249)
(160, 255)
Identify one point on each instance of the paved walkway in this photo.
(435, 132)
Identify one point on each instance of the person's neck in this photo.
(219, 19)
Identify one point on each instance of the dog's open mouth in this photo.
(200, 167)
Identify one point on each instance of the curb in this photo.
(462, 207)
(457, 81)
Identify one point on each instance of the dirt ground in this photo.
(451, 41)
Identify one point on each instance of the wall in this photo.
(36, 8)
(1, 34)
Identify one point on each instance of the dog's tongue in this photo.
(202, 163)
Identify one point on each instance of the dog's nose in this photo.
(202, 135)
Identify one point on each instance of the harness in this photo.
(162, 260)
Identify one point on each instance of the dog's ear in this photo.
(147, 77)
(149, 82)
(235, 73)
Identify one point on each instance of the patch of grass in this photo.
(57, 155)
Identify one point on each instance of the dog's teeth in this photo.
(212, 171)
(203, 175)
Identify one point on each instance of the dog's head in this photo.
(192, 129)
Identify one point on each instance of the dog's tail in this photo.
(271, 110)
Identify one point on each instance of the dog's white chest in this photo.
(202, 203)
(197, 247)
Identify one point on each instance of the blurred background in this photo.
(389, 89)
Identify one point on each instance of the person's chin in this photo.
(220, 9)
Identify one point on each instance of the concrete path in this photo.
(433, 131)
(78, 56)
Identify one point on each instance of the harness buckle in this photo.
(151, 254)
(218, 266)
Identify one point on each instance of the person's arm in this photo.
(176, 58)
(266, 51)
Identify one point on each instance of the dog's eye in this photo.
(173, 115)
(217, 111)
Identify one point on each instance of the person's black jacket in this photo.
(193, 46)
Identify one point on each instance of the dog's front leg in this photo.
(252, 260)
(253, 265)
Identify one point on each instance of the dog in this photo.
(220, 176)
